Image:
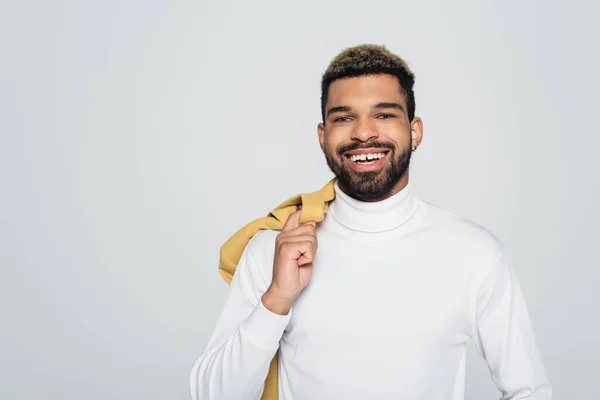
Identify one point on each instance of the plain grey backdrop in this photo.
(137, 136)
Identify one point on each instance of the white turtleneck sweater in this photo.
(398, 288)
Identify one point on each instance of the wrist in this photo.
(276, 303)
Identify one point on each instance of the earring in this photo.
(414, 148)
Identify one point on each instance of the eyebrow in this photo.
(397, 106)
(389, 105)
(338, 109)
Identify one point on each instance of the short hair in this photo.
(369, 59)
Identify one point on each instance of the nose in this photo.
(364, 130)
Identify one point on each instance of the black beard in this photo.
(369, 185)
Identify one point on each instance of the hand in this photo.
(295, 249)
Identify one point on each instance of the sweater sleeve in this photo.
(237, 358)
(505, 337)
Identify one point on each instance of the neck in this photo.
(374, 216)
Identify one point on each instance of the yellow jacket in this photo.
(314, 206)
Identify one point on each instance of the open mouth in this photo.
(367, 160)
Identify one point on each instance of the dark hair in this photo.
(369, 59)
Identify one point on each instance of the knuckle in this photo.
(287, 248)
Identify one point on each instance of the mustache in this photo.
(368, 145)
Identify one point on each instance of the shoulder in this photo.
(263, 241)
(461, 235)
(261, 247)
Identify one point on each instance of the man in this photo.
(385, 306)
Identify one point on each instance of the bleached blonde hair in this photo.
(369, 59)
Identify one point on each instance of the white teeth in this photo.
(371, 156)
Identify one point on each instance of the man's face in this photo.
(366, 137)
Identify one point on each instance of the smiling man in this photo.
(385, 306)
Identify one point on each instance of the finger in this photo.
(306, 258)
(293, 221)
(304, 262)
(299, 238)
(303, 229)
(295, 250)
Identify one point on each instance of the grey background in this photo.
(136, 137)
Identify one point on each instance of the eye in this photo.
(342, 119)
(385, 116)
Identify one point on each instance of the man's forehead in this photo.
(375, 88)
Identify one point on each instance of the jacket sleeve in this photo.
(237, 358)
(505, 337)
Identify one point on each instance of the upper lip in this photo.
(373, 150)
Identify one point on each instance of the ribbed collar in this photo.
(370, 217)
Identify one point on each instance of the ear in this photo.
(416, 132)
(321, 134)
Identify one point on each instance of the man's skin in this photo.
(365, 114)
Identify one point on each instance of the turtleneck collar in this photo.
(370, 217)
